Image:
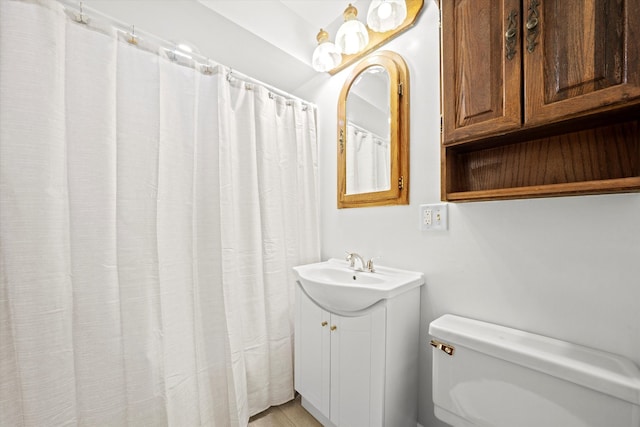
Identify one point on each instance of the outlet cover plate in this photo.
(434, 217)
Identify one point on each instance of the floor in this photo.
(291, 414)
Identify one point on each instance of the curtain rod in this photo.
(242, 76)
(79, 10)
(364, 130)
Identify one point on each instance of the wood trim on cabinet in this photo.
(622, 185)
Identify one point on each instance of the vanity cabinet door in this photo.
(312, 353)
(481, 68)
(358, 369)
(340, 363)
(579, 56)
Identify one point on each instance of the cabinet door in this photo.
(357, 369)
(312, 352)
(579, 56)
(481, 68)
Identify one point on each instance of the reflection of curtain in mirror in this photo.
(368, 164)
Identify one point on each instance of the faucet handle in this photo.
(349, 258)
(370, 267)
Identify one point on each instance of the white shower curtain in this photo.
(267, 200)
(149, 217)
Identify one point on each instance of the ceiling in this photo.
(269, 40)
(291, 25)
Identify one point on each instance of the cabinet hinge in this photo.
(441, 124)
(401, 182)
(400, 89)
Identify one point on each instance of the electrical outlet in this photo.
(433, 217)
(427, 217)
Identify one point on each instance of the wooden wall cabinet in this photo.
(539, 97)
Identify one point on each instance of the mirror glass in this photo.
(368, 132)
(373, 133)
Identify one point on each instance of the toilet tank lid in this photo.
(599, 370)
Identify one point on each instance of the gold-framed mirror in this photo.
(373, 133)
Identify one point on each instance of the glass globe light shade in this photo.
(326, 55)
(386, 15)
(352, 36)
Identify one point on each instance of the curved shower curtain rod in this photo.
(79, 11)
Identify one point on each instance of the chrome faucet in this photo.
(351, 258)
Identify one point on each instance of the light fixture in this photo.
(326, 56)
(386, 15)
(386, 19)
(352, 36)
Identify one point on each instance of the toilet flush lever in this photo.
(449, 349)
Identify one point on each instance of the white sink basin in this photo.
(336, 287)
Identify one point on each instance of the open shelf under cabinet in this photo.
(604, 159)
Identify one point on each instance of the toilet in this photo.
(491, 375)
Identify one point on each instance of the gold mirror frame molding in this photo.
(378, 39)
(398, 194)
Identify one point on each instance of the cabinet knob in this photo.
(334, 327)
(323, 324)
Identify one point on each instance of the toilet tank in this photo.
(490, 375)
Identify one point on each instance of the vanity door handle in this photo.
(333, 327)
(325, 323)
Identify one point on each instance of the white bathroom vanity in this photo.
(357, 367)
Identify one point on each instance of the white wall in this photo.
(565, 267)
(213, 35)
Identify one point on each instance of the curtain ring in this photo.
(81, 18)
(133, 39)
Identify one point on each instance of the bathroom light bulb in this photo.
(352, 36)
(326, 55)
(384, 11)
(386, 15)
